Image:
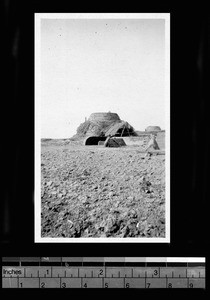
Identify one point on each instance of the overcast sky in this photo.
(101, 65)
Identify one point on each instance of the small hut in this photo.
(114, 142)
(153, 128)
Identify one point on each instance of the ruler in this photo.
(103, 272)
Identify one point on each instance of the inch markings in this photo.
(68, 273)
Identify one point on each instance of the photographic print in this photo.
(102, 127)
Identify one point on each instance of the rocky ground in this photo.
(92, 191)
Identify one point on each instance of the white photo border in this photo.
(37, 198)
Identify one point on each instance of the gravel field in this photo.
(92, 191)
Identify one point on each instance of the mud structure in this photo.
(104, 124)
(100, 125)
(153, 128)
(104, 118)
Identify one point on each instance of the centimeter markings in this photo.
(102, 283)
(115, 275)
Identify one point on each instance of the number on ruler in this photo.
(106, 285)
(191, 285)
(148, 284)
(42, 285)
(170, 285)
(63, 285)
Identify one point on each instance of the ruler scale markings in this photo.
(154, 277)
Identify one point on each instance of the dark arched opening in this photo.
(93, 140)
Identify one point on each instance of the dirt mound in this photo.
(104, 124)
(89, 128)
(97, 124)
(104, 117)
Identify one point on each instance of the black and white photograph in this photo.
(105, 154)
(102, 127)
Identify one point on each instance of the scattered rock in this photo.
(101, 193)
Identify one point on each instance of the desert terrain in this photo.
(93, 191)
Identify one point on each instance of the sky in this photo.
(101, 65)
